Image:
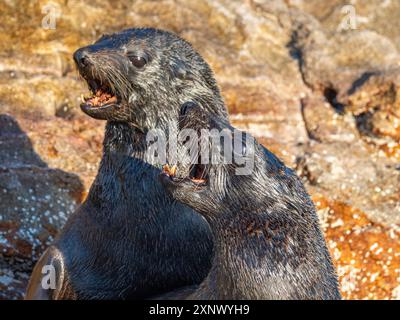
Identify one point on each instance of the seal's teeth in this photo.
(166, 168)
(171, 171)
(82, 98)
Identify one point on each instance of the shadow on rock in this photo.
(35, 202)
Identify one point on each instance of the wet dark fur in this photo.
(130, 239)
(268, 243)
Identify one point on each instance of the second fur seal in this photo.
(268, 243)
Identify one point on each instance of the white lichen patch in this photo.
(6, 280)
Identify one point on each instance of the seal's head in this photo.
(228, 170)
(142, 76)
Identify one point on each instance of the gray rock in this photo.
(35, 202)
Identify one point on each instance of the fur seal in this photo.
(130, 239)
(268, 243)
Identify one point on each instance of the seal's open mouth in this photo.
(198, 175)
(102, 96)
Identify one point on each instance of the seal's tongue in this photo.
(198, 174)
(100, 98)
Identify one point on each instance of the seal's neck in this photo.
(126, 173)
(256, 250)
(123, 140)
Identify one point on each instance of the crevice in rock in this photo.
(330, 95)
(359, 82)
(364, 123)
(310, 135)
(297, 54)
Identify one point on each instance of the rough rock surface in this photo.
(35, 202)
(322, 98)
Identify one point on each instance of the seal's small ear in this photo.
(104, 36)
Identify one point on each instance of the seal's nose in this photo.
(81, 57)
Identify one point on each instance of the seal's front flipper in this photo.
(48, 280)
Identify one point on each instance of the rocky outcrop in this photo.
(324, 99)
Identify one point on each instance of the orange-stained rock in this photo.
(366, 254)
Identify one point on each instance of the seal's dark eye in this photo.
(186, 107)
(138, 62)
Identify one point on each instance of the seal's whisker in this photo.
(116, 79)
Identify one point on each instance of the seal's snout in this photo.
(81, 57)
(104, 99)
